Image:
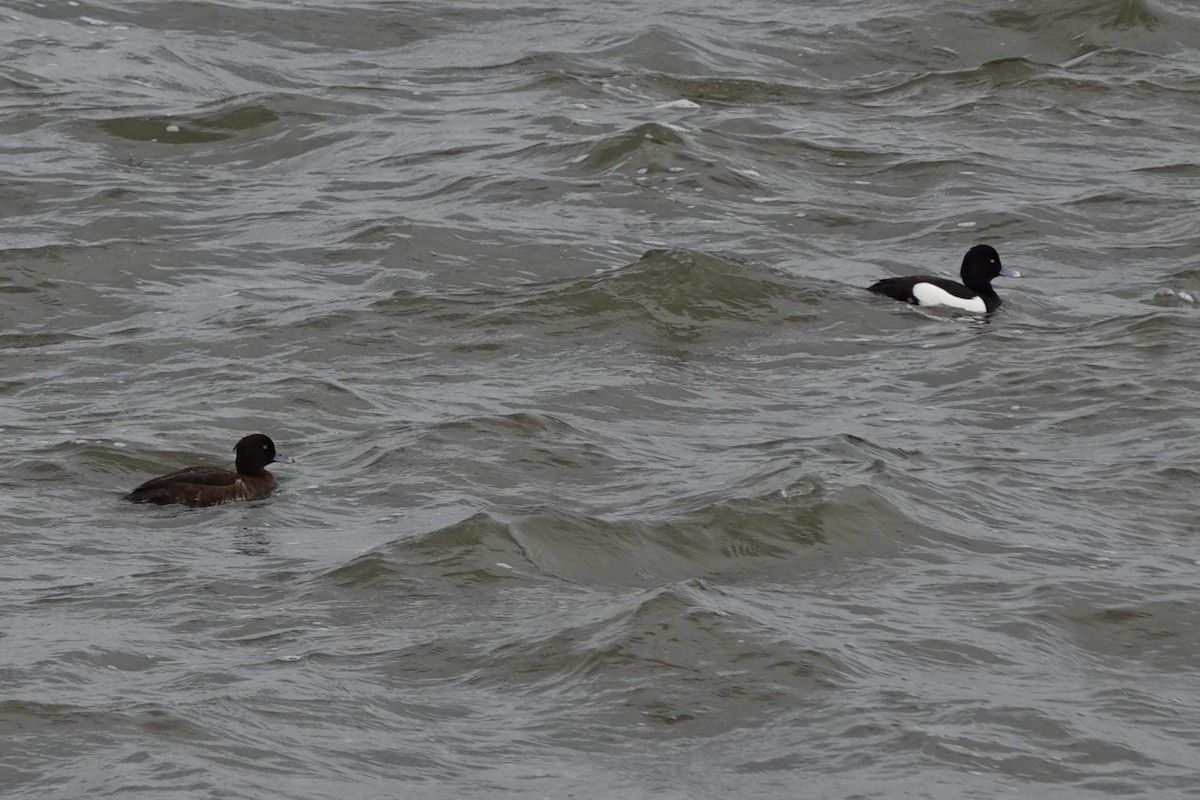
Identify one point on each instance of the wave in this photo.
(270, 127)
(780, 531)
(664, 288)
(1106, 14)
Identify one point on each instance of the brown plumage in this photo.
(208, 486)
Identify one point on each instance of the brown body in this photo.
(199, 486)
(207, 486)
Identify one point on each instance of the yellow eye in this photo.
(991, 261)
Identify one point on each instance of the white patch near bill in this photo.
(929, 294)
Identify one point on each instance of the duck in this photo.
(208, 486)
(980, 265)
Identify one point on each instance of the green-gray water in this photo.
(611, 481)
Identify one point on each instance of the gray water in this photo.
(611, 480)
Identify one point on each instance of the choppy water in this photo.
(612, 481)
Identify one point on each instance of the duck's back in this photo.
(202, 486)
(902, 288)
(895, 288)
(927, 290)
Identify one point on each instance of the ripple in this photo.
(1118, 14)
(212, 127)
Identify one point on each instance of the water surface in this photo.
(612, 481)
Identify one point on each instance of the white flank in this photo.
(928, 294)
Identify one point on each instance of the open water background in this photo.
(611, 480)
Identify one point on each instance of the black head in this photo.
(256, 451)
(980, 265)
